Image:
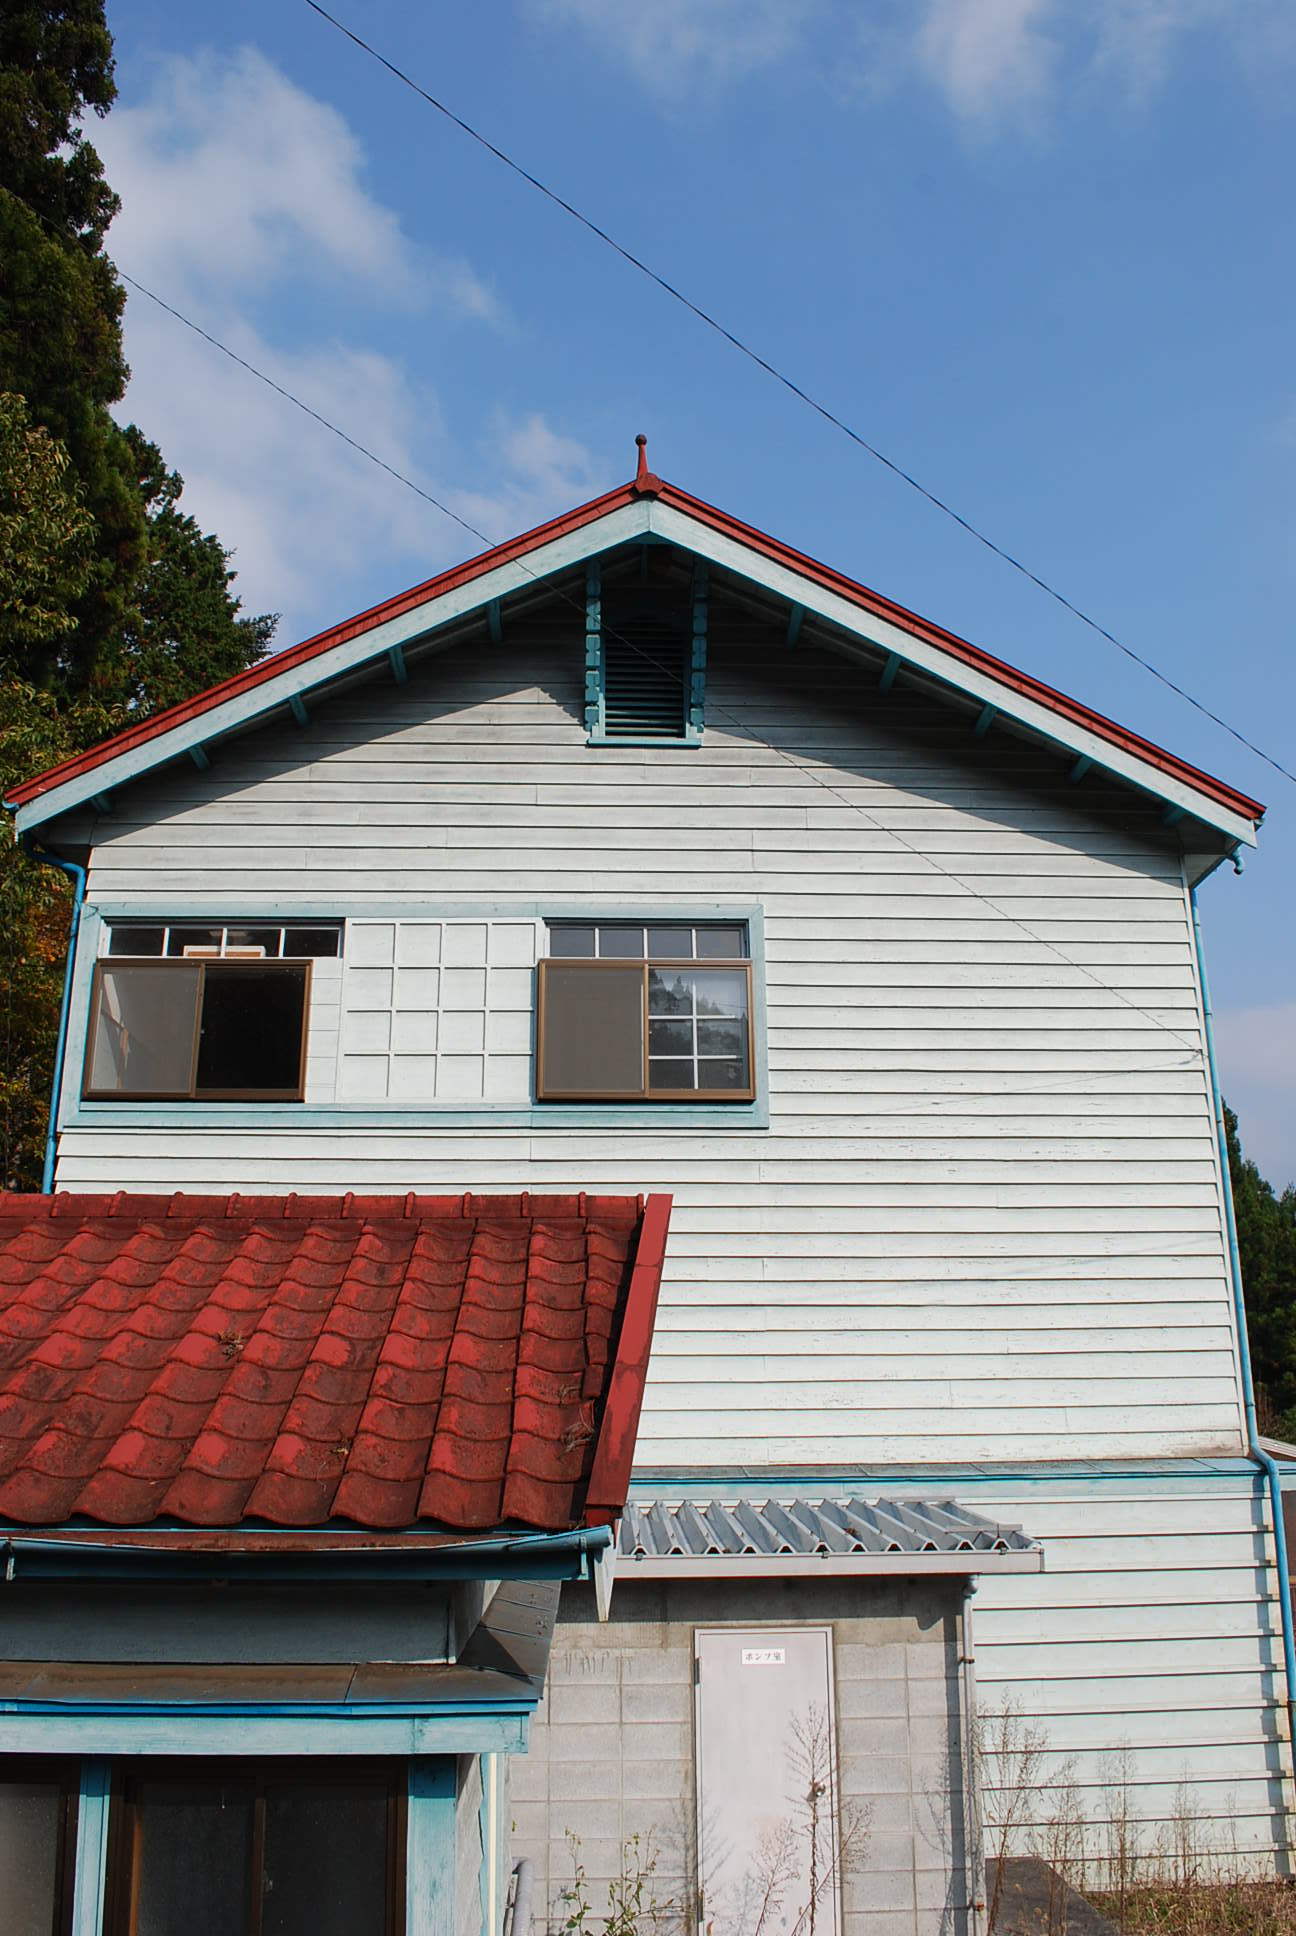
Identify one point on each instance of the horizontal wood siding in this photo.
(984, 1222)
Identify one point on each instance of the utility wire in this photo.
(718, 712)
(779, 376)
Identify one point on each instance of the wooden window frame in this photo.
(275, 964)
(65, 1775)
(119, 1918)
(644, 1094)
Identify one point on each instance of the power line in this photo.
(779, 376)
(718, 712)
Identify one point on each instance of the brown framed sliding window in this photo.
(38, 1816)
(186, 1028)
(238, 1848)
(645, 1026)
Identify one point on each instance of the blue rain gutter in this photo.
(77, 876)
(1262, 1458)
(526, 1556)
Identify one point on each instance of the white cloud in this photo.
(240, 191)
(230, 174)
(687, 44)
(1257, 1058)
(991, 61)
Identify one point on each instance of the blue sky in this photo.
(1039, 251)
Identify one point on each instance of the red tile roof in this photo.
(460, 1362)
(646, 484)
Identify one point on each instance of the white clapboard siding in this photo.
(984, 1222)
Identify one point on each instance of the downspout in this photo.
(77, 875)
(1254, 1448)
(973, 1845)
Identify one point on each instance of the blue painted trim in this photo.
(225, 907)
(484, 1838)
(517, 1709)
(695, 719)
(77, 875)
(297, 707)
(361, 1116)
(1266, 1463)
(593, 649)
(1089, 1475)
(526, 1556)
(183, 1731)
(624, 739)
(430, 1848)
(91, 1871)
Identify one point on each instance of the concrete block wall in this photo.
(612, 1750)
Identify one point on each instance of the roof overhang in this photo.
(647, 508)
(797, 1538)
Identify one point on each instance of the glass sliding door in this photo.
(257, 1849)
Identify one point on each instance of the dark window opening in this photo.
(234, 1850)
(180, 1029)
(38, 1811)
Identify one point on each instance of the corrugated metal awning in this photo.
(698, 1539)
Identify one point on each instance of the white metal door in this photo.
(766, 1782)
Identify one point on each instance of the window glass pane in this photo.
(312, 941)
(670, 1038)
(571, 940)
(325, 1860)
(670, 991)
(245, 941)
(30, 1818)
(722, 1075)
(133, 940)
(192, 1858)
(670, 944)
(722, 943)
(592, 1033)
(143, 1030)
(621, 943)
(722, 1038)
(720, 992)
(182, 940)
(251, 1033)
(671, 1075)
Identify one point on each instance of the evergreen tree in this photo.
(113, 602)
(1266, 1232)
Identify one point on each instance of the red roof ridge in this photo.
(529, 1207)
(647, 484)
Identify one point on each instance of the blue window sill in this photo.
(540, 1116)
(626, 739)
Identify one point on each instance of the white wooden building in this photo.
(928, 1078)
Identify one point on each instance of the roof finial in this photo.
(642, 442)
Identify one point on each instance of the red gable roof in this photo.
(463, 1362)
(648, 485)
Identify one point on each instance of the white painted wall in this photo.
(985, 1220)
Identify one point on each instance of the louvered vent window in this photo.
(647, 648)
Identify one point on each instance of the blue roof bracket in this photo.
(396, 660)
(985, 719)
(1080, 768)
(889, 671)
(102, 802)
(796, 618)
(297, 707)
(494, 621)
(1173, 815)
